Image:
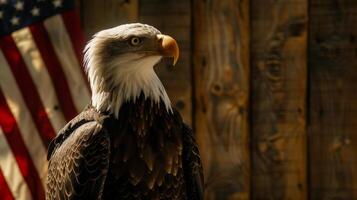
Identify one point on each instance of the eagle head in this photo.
(120, 65)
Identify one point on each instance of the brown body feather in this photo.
(146, 153)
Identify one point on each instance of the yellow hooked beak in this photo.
(169, 47)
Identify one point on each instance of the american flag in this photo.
(42, 86)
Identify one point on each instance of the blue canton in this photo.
(17, 14)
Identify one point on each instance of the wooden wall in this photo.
(221, 77)
(333, 97)
(268, 85)
(278, 115)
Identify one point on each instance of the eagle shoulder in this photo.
(78, 161)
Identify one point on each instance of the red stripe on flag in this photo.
(17, 145)
(72, 23)
(28, 89)
(54, 69)
(5, 193)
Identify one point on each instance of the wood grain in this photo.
(279, 76)
(101, 14)
(173, 17)
(221, 71)
(333, 97)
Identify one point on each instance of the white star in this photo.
(15, 20)
(19, 5)
(57, 3)
(35, 11)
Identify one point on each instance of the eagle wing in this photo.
(79, 164)
(192, 165)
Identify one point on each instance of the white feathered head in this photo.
(120, 65)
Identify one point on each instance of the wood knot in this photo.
(263, 147)
(300, 111)
(203, 61)
(217, 89)
(347, 141)
(122, 2)
(180, 104)
(296, 28)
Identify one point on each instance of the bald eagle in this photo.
(129, 143)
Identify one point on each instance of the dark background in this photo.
(269, 87)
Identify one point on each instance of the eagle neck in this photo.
(120, 84)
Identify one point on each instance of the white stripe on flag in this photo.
(64, 50)
(23, 118)
(40, 76)
(11, 171)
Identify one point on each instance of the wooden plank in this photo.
(173, 18)
(221, 76)
(279, 76)
(163, 8)
(333, 79)
(78, 4)
(101, 14)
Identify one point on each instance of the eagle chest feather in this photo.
(146, 150)
(145, 153)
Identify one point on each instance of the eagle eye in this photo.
(135, 41)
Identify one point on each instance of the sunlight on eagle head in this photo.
(120, 65)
